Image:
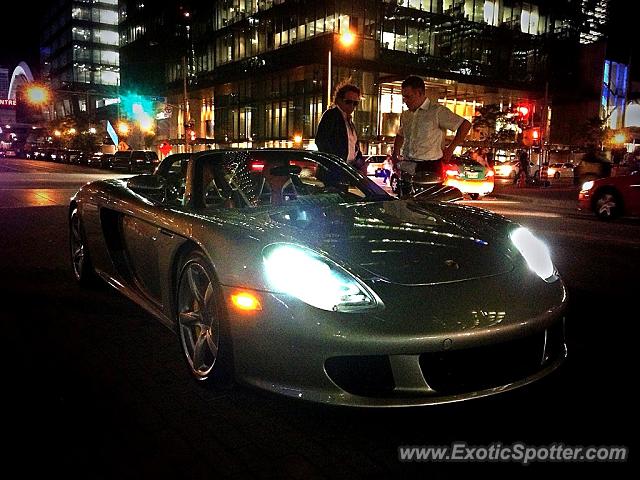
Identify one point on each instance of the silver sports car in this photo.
(290, 271)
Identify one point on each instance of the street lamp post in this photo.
(346, 40)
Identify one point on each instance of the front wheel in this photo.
(607, 205)
(201, 322)
(474, 196)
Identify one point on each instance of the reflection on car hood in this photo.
(399, 241)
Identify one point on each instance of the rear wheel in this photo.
(474, 196)
(201, 322)
(607, 205)
(556, 175)
(80, 259)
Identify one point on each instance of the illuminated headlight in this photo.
(586, 186)
(314, 279)
(535, 253)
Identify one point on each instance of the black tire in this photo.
(474, 196)
(556, 175)
(81, 265)
(201, 322)
(607, 204)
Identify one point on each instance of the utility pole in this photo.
(186, 116)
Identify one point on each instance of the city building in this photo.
(260, 72)
(79, 57)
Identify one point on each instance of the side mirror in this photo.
(147, 184)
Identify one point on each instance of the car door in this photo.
(148, 242)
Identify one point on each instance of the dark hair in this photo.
(415, 82)
(342, 88)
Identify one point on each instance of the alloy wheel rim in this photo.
(77, 245)
(606, 205)
(197, 320)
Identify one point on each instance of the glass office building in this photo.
(257, 71)
(79, 55)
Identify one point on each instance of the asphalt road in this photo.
(94, 387)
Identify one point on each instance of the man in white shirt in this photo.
(423, 129)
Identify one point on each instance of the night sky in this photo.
(20, 32)
(22, 41)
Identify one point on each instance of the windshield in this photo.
(249, 179)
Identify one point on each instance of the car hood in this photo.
(403, 242)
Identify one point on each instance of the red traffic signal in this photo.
(523, 111)
(165, 148)
(531, 136)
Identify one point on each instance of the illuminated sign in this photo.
(7, 103)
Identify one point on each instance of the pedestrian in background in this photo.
(423, 129)
(387, 168)
(336, 131)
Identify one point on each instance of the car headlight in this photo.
(316, 280)
(586, 186)
(535, 253)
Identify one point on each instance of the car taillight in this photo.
(489, 173)
(257, 166)
(451, 171)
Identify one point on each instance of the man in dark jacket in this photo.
(336, 132)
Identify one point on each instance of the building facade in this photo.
(79, 57)
(256, 72)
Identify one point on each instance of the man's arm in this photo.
(461, 133)
(397, 145)
(325, 136)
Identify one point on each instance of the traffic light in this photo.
(136, 106)
(535, 135)
(531, 136)
(523, 111)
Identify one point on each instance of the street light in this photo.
(37, 95)
(346, 40)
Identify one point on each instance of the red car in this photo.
(612, 196)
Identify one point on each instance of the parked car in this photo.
(374, 164)
(612, 197)
(135, 160)
(561, 170)
(73, 157)
(322, 286)
(506, 169)
(95, 160)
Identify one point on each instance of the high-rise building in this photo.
(260, 72)
(4, 82)
(79, 56)
(596, 15)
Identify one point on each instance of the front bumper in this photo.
(426, 352)
(584, 200)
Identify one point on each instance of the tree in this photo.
(495, 125)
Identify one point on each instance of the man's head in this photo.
(413, 92)
(347, 97)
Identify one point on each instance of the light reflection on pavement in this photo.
(19, 189)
